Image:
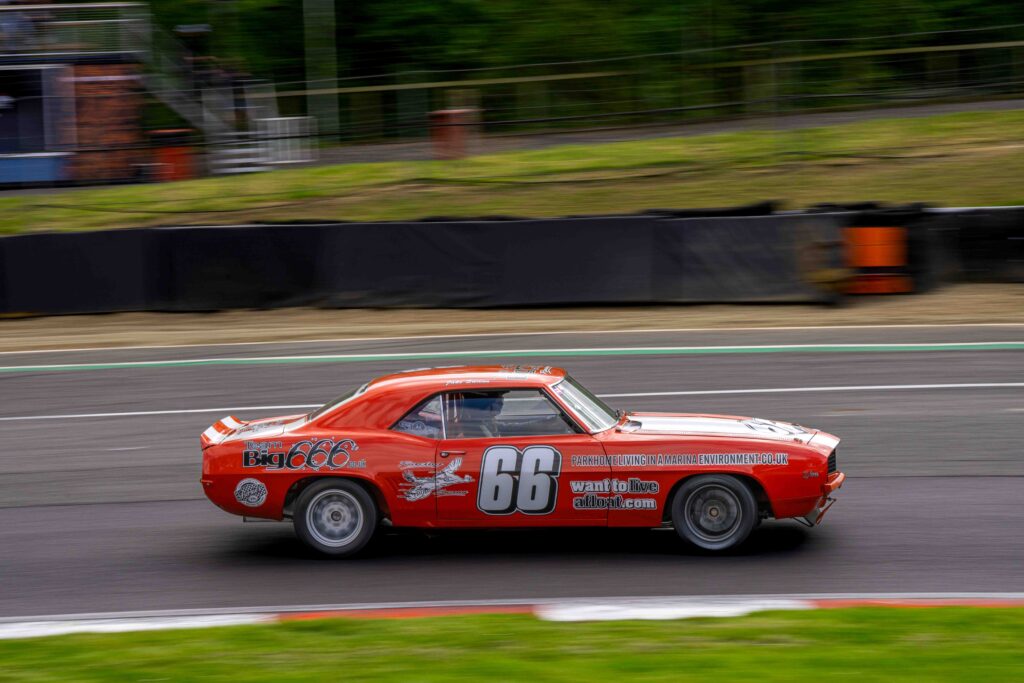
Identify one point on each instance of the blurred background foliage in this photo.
(530, 66)
(265, 37)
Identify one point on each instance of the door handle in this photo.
(445, 454)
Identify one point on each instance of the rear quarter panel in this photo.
(373, 457)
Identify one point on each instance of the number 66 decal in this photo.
(525, 481)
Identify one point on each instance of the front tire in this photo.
(335, 517)
(714, 511)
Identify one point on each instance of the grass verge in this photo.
(973, 158)
(862, 645)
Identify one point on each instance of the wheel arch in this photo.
(301, 485)
(764, 503)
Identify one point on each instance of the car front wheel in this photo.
(336, 517)
(714, 512)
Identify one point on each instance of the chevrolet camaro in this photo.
(512, 446)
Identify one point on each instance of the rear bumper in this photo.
(831, 485)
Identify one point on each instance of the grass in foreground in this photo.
(961, 159)
(937, 644)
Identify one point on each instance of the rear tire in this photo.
(714, 511)
(335, 517)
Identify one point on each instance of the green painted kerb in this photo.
(524, 353)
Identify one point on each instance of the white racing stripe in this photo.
(797, 390)
(643, 394)
(476, 335)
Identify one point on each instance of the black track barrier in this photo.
(487, 264)
(407, 265)
(758, 209)
(82, 272)
(988, 243)
(659, 256)
(272, 266)
(787, 258)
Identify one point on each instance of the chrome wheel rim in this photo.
(334, 518)
(713, 513)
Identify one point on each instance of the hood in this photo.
(716, 425)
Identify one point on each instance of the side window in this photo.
(503, 413)
(423, 420)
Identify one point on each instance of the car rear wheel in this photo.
(335, 516)
(714, 511)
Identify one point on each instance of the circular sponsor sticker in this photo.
(251, 492)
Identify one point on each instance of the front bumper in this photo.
(832, 484)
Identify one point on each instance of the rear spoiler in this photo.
(220, 430)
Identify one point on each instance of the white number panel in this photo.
(519, 481)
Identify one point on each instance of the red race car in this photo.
(512, 446)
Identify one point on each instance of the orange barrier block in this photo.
(876, 247)
(878, 255)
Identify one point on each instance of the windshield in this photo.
(341, 400)
(590, 408)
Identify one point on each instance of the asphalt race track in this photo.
(102, 511)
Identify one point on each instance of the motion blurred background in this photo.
(387, 177)
(118, 92)
(110, 85)
(411, 110)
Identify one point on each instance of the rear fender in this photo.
(299, 486)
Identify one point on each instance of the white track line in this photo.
(666, 330)
(36, 629)
(510, 602)
(680, 608)
(278, 609)
(141, 413)
(712, 392)
(556, 609)
(474, 353)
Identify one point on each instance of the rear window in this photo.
(340, 401)
(423, 420)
